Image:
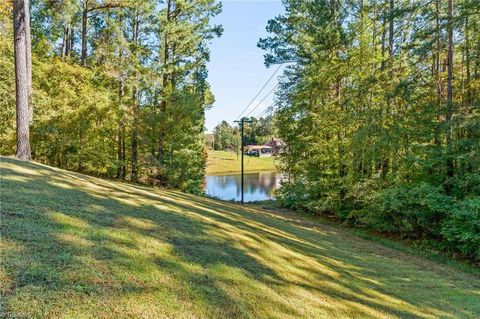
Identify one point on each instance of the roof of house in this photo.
(258, 147)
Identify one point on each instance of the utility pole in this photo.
(242, 125)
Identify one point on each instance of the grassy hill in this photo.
(74, 246)
(223, 162)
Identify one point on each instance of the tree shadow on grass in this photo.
(61, 244)
(365, 279)
(108, 240)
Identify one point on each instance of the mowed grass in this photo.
(224, 162)
(74, 246)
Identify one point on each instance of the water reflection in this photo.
(258, 186)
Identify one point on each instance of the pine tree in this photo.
(23, 75)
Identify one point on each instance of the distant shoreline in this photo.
(239, 173)
(225, 162)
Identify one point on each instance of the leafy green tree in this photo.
(259, 131)
(225, 136)
(119, 87)
(379, 104)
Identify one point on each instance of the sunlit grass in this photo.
(223, 162)
(74, 246)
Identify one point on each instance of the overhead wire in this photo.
(264, 98)
(259, 92)
(271, 108)
(359, 28)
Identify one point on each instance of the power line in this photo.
(264, 112)
(271, 108)
(259, 92)
(360, 28)
(364, 26)
(264, 98)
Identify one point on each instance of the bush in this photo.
(308, 196)
(185, 170)
(412, 210)
(292, 195)
(420, 211)
(467, 185)
(462, 227)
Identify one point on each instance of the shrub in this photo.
(292, 195)
(308, 196)
(185, 170)
(412, 210)
(462, 227)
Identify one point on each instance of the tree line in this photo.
(258, 131)
(119, 87)
(380, 113)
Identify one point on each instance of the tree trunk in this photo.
(135, 108)
(436, 68)
(384, 164)
(65, 41)
(450, 164)
(72, 39)
(124, 153)
(469, 96)
(391, 27)
(165, 83)
(28, 44)
(83, 58)
(22, 79)
(134, 137)
(119, 153)
(121, 169)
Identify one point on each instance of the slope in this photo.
(74, 246)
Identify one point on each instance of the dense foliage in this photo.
(258, 131)
(119, 87)
(380, 113)
(226, 137)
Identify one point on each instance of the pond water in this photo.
(258, 186)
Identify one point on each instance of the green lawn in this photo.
(74, 246)
(223, 162)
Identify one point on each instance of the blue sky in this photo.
(236, 70)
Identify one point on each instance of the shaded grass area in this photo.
(222, 162)
(74, 246)
(421, 248)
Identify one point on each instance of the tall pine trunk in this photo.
(165, 84)
(72, 39)
(135, 107)
(83, 58)
(385, 166)
(449, 113)
(469, 96)
(22, 77)
(65, 41)
(28, 44)
(436, 70)
(120, 146)
(121, 168)
(134, 136)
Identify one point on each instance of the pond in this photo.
(258, 186)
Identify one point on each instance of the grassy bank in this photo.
(74, 246)
(223, 162)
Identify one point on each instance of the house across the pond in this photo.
(259, 150)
